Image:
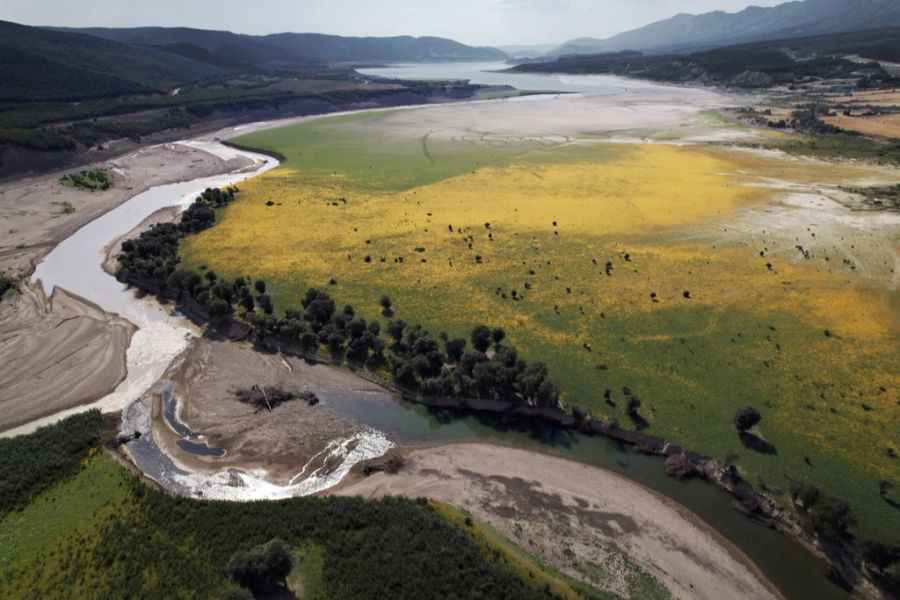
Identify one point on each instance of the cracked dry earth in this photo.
(591, 524)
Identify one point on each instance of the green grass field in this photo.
(357, 186)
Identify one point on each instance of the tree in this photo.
(805, 494)
(386, 304)
(260, 286)
(831, 518)
(265, 303)
(481, 338)
(633, 406)
(746, 418)
(880, 555)
(263, 568)
(211, 276)
(246, 302)
(335, 342)
(455, 349)
(498, 335)
(356, 327)
(219, 308)
(309, 341)
(395, 329)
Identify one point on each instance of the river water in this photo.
(162, 336)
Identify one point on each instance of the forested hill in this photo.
(791, 19)
(763, 64)
(39, 64)
(281, 49)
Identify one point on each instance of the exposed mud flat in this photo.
(56, 353)
(576, 518)
(294, 449)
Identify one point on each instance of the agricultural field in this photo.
(704, 278)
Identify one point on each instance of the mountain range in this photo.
(58, 64)
(790, 20)
(285, 49)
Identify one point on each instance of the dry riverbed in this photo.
(576, 518)
(62, 352)
(56, 353)
(277, 442)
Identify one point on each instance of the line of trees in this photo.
(418, 361)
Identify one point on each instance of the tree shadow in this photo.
(640, 423)
(279, 593)
(891, 502)
(757, 444)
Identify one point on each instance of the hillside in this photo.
(790, 20)
(760, 64)
(39, 64)
(287, 49)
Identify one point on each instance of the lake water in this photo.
(490, 74)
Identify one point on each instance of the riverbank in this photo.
(575, 517)
(56, 352)
(275, 442)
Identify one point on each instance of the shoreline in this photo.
(355, 477)
(439, 466)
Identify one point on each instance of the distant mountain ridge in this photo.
(800, 18)
(291, 48)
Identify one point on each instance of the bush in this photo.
(746, 418)
(262, 568)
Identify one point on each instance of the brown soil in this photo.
(569, 514)
(31, 210)
(885, 126)
(56, 354)
(279, 442)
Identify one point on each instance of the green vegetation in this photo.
(416, 359)
(88, 179)
(99, 532)
(882, 198)
(833, 146)
(32, 463)
(306, 580)
(691, 360)
(264, 568)
(355, 147)
(526, 567)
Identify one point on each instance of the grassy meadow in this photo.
(619, 265)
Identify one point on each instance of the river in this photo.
(75, 265)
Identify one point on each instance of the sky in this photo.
(475, 22)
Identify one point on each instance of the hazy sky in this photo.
(479, 22)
